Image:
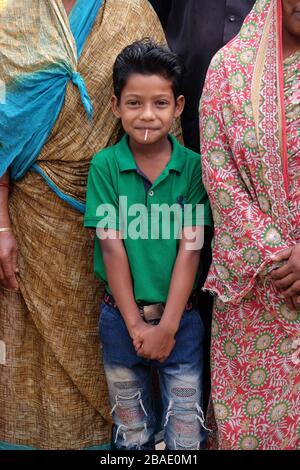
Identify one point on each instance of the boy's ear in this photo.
(115, 106)
(180, 102)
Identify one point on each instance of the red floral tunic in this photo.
(250, 152)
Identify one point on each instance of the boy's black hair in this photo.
(147, 58)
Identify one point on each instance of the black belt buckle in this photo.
(152, 313)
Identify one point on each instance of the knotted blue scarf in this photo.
(33, 102)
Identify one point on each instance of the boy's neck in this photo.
(156, 151)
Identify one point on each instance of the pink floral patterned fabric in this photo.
(292, 113)
(250, 154)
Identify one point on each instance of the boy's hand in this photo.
(157, 344)
(137, 333)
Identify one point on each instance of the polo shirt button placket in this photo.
(151, 193)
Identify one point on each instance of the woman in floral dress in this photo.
(250, 139)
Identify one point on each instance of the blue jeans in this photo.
(130, 388)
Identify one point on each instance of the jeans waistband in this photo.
(152, 313)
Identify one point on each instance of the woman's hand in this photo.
(8, 261)
(295, 301)
(287, 277)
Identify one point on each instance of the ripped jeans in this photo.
(130, 388)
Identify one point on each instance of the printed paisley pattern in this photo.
(251, 162)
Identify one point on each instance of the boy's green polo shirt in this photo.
(121, 198)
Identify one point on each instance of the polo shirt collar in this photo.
(177, 160)
(127, 162)
(124, 155)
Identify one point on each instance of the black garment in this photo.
(196, 30)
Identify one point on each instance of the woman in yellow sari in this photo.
(57, 73)
(250, 141)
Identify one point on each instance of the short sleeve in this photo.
(196, 208)
(102, 201)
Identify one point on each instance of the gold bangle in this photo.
(5, 229)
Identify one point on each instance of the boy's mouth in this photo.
(146, 128)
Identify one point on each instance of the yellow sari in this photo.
(52, 386)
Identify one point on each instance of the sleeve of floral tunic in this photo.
(245, 236)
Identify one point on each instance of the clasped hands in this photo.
(153, 342)
(287, 277)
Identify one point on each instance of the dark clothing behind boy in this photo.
(196, 30)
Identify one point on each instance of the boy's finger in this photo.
(137, 346)
(137, 341)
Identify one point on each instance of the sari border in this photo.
(258, 71)
(282, 123)
(7, 446)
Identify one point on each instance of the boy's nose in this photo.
(147, 113)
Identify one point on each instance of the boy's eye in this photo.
(161, 103)
(133, 103)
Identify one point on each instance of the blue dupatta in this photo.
(34, 100)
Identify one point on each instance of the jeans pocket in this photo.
(103, 316)
(197, 321)
(109, 318)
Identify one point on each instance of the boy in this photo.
(149, 262)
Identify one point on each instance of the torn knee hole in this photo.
(187, 418)
(185, 425)
(128, 385)
(178, 445)
(129, 410)
(134, 436)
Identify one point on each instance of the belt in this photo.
(152, 313)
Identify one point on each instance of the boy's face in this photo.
(147, 107)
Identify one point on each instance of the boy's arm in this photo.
(102, 213)
(183, 277)
(159, 342)
(120, 283)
